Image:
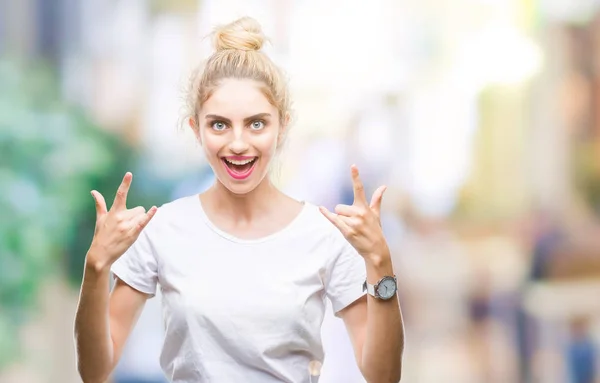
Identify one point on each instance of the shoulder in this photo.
(321, 225)
(179, 205)
(316, 219)
(173, 212)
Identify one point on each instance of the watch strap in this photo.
(369, 288)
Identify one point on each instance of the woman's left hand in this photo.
(361, 223)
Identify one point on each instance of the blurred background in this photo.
(482, 117)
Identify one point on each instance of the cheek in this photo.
(268, 142)
(210, 144)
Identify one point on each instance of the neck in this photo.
(242, 207)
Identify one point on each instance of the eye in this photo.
(218, 125)
(257, 125)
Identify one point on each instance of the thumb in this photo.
(376, 199)
(100, 203)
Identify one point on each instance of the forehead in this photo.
(237, 99)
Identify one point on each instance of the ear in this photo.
(195, 128)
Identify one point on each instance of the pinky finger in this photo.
(335, 220)
(144, 219)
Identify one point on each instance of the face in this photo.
(239, 130)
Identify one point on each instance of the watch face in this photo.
(386, 288)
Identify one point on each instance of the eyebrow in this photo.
(246, 120)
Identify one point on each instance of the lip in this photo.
(239, 176)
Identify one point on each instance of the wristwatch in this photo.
(384, 289)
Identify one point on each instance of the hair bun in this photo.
(243, 34)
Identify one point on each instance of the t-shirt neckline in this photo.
(198, 206)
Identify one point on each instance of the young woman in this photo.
(243, 269)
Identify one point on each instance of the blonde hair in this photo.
(238, 55)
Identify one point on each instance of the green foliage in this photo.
(51, 156)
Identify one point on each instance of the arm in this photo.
(375, 326)
(103, 322)
(376, 330)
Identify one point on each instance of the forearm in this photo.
(384, 339)
(92, 330)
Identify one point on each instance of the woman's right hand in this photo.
(116, 229)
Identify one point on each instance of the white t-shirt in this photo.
(241, 310)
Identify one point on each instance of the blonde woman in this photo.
(244, 270)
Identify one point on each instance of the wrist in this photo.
(378, 265)
(95, 264)
(378, 258)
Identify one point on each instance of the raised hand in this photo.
(118, 228)
(360, 223)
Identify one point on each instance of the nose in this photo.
(238, 144)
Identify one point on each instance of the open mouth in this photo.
(239, 168)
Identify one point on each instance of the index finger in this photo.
(121, 197)
(359, 190)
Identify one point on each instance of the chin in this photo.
(238, 189)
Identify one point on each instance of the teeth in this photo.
(244, 162)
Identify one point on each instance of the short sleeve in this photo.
(138, 266)
(346, 274)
